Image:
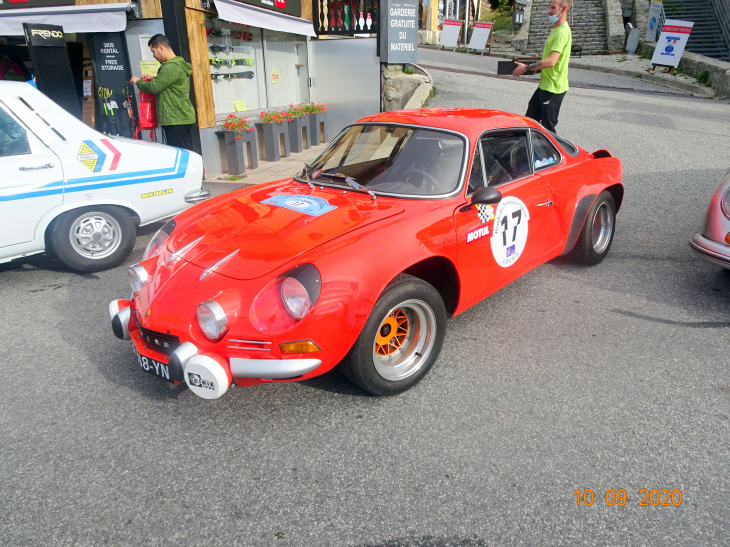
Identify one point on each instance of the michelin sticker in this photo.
(308, 205)
(510, 231)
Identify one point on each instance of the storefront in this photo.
(246, 59)
(96, 36)
(247, 56)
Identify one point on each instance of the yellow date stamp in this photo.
(649, 498)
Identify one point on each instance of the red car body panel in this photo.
(357, 248)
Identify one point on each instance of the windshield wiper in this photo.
(306, 169)
(353, 183)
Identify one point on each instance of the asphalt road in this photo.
(610, 377)
(428, 58)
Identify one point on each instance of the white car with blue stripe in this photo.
(77, 193)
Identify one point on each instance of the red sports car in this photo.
(407, 218)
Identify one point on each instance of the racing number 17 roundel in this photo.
(510, 231)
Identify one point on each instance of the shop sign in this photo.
(656, 14)
(450, 33)
(108, 52)
(45, 35)
(480, 35)
(291, 7)
(399, 31)
(671, 43)
(15, 4)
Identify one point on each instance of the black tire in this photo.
(598, 229)
(91, 239)
(406, 304)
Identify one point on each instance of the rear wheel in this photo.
(597, 234)
(92, 239)
(401, 339)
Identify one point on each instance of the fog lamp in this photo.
(137, 277)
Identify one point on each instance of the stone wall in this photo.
(694, 64)
(398, 87)
(615, 33)
(520, 40)
(641, 15)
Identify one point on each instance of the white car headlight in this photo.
(725, 203)
(137, 277)
(212, 320)
(295, 298)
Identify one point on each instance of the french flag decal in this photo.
(116, 154)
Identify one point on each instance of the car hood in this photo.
(261, 229)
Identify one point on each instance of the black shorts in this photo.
(544, 107)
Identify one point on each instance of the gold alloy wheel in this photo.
(404, 340)
(391, 333)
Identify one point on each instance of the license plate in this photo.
(155, 368)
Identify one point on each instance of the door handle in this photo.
(46, 166)
(548, 203)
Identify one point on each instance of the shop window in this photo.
(286, 66)
(13, 139)
(236, 57)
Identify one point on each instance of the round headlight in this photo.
(137, 277)
(295, 298)
(725, 203)
(212, 320)
(156, 243)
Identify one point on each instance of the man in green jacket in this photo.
(171, 87)
(544, 105)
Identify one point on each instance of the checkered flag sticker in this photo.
(486, 213)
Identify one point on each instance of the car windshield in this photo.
(393, 160)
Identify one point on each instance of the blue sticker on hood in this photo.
(308, 205)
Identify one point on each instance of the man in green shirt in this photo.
(171, 87)
(544, 105)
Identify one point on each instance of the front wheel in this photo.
(597, 234)
(92, 239)
(401, 339)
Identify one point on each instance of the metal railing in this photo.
(346, 17)
(722, 11)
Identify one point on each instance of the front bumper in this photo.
(207, 375)
(712, 251)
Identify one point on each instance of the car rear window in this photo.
(565, 144)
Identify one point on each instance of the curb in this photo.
(695, 89)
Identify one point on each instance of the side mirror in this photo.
(486, 195)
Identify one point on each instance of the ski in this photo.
(246, 61)
(233, 75)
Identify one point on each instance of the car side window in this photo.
(544, 154)
(476, 177)
(505, 157)
(13, 138)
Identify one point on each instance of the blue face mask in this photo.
(553, 19)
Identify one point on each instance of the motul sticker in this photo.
(476, 234)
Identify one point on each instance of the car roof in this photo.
(472, 122)
(8, 86)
